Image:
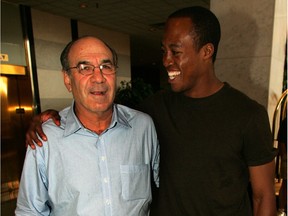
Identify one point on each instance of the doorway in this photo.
(16, 112)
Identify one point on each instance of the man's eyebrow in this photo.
(83, 62)
(103, 61)
(106, 61)
(175, 46)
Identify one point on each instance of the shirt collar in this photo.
(72, 123)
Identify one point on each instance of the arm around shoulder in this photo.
(35, 127)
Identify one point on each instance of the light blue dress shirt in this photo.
(78, 172)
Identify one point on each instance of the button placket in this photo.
(105, 177)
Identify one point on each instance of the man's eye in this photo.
(85, 67)
(175, 52)
(107, 66)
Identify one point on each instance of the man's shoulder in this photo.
(239, 98)
(49, 125)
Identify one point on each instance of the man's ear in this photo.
(208, 50)
(67, 80)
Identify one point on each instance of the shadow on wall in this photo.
(243, 55)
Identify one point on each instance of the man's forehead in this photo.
(90, 46)
(94, 49)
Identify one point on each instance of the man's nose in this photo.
(97, 76)
(167, 59)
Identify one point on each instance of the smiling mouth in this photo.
(172, 74)
(98, 92)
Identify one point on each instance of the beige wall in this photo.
(246, 53)
(51, 34)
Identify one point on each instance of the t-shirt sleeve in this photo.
(258, 142)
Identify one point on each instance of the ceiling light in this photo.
(83, 5)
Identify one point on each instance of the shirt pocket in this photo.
(135, 181)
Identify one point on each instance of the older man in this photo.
(99, 162)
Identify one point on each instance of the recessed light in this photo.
(83, 5)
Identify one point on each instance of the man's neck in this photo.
(206, 89)
(96, 122)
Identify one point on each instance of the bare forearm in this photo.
(262, 181)
(265, 206)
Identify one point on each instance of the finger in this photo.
(44, 116)
(31, 144)
(32, 139)
(53, 114)
(56, 120)
(40, 132)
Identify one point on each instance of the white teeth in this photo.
(173, 74)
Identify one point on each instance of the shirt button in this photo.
(105, 180)
(103, 158)
(107, 202)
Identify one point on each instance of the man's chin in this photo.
(175, 88)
